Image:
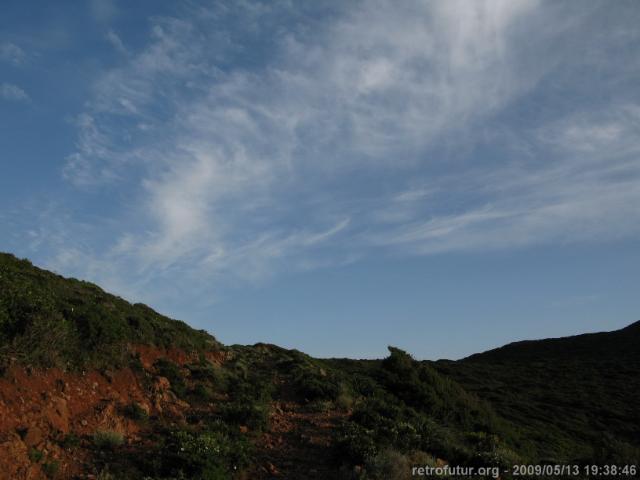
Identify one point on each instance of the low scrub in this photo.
(107, 439)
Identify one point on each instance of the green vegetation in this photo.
(174, 374)
(209, 455)
(575, 397)
(35, 455)
(88, 326)
(560, 401)
(51, 468)
(107, 439)
(393, 465)
(70, 440)
(408, 408)
(135, 411)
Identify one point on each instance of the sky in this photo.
(335, 177)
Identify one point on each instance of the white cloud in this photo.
(10, 52)
(114, 39)
(606, 132)
(587, 192)
(9, 91)
(95, 160)
(360, 135)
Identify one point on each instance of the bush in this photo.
(202, 392)
(107, 439)
(206, 455)
(320, 406)
(135, 411)
(388, 465)
(355, 444)
(345, 401)
(313, 383)
(246, 412)
(172, 372)
(35, 455)
(51, 468)
(70, 440)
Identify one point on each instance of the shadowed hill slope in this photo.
(602, 346)
(48, 320)
(93, 385)
(579, 396)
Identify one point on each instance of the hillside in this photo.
(578, 396)
(94, 387)
(616, 345)
(47, 320)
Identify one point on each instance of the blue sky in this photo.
(442, 176)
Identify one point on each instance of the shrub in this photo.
(345, 401)
(246, 412)
(388, 465)
(135, 411)
(51, 467)
(35, 455)
(107, 439)
(70, 440)
(321, 406)
(206, 455)
(204, 370)
(313, 383)
(172, 372)
(355, 444)
(202, 392)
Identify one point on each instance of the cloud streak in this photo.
(385, 127)
(14, 93)
(12, 53)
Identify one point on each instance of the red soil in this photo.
(39, 408)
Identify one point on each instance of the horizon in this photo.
(524, 340)
(332, 177)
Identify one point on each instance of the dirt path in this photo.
(298, 444)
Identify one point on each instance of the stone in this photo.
(57, 414)
(33, 436)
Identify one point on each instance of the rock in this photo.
(161, 384)
(145, 407)
(57, 414)
(157, 403)
(33, 437)
(169, 396)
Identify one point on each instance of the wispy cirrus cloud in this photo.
(10, 52)
(382, 127)
(113, 38)
(11, 92)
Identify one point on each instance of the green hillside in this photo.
(48, 320)
(256, 410)
(577, 397)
